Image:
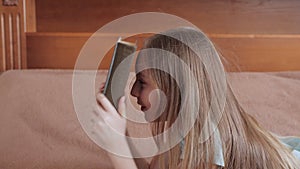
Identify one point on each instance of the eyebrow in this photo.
(140, 75)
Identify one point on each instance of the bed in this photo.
(38, 124)
(39, 127)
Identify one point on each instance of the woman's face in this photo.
(142, 88)
(148, 95)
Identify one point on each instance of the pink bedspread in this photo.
(39, 128)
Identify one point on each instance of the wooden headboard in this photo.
(12, 35)
(253, 35)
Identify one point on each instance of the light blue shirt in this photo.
(293, 143)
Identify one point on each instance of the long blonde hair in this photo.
(245, 144)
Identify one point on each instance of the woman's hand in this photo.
(110, 124)
(110, 128)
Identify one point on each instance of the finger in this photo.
(105, 103)
(99, 113)
(122, 106)
(102, 85)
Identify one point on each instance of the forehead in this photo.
(140, 63)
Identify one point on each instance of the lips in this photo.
(142, 106)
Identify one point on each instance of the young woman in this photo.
(215, 130)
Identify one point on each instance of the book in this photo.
(119, 70)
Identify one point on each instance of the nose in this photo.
(134, 90)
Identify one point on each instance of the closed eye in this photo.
(141, 81)
(141, 84)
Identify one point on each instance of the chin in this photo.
(143, 109)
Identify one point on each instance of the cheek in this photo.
(157, 102)
(145, 98)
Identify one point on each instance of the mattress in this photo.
(39, 127)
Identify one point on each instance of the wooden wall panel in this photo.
(260, 53)
(60, 50)
(212, 16)
(53, 50)
(30, 16)
(253, 35)
(243, 52)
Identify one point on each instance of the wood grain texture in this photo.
(217, 16)
(260, 53)
(30, 18)
(13, 40)
(243, 53)
(252, 35)
(60, 50)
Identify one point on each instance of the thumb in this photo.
(122, 106)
